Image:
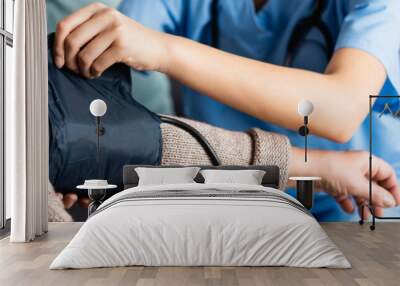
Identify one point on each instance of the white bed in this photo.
(222, 225)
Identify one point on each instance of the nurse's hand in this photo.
(95, 37)
(346, 175)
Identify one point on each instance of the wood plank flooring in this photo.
(375, 257)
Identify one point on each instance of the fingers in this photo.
(107, 59)
(396, 194)
(84, 33)
(392, 188)
(365, 210)
(362, 211)
(84, 202)
(380, 197)
(67, 25)
(346, 203)
(385, 190)
(93, 50)
(365, 213)
(386, 177)
(69, 200)
(378, 211)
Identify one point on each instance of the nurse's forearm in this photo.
(272, 92)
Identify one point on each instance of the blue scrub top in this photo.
(369, 25)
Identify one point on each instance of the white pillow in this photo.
(247, 177)
(166, 176)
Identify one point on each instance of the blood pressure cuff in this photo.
(132, 133)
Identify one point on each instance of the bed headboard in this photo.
(271, 177)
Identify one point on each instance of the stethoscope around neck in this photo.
(300, 31)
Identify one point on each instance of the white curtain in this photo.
(27, 124)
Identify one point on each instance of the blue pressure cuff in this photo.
(132, 133)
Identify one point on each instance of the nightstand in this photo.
(96, 192)
(305, 190)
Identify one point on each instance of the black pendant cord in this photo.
(197, 135)
(306, 132)
(305, 148)
(98, 147)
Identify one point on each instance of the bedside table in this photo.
(305, 190)
(96, 192)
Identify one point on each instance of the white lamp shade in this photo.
(305, 107)
(98, 107)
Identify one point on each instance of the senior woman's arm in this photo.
(344, 174)
(95, 37)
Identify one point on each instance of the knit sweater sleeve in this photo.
(255, 147)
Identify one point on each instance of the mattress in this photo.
(201, 225)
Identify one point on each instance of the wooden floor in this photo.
(375, 257)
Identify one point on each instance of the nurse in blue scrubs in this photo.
(257, 59)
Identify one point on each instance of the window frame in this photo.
(6, 39)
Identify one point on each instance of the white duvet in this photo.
(188, 231)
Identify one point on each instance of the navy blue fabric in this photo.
(132, 133)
